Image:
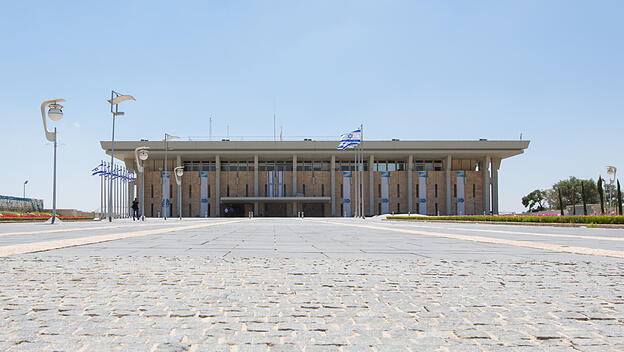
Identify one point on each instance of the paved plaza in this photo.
(313, 284)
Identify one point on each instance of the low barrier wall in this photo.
(9, 203)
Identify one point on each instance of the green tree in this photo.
(569, 196)
(534, 201)
(601, 194)
(584, 199)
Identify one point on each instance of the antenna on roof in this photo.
(210, 128)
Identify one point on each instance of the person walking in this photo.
(135, 209)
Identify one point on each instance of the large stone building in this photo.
(232, 178)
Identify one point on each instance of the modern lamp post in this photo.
(611, 170)
(141, 155)
(165, 202)
(25, 182)
(114, 101)
(179, 171)
(55, 113)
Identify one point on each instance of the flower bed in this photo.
(16, 216)
(590, 219)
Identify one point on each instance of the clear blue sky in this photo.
(552, 70)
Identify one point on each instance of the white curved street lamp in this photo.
(179, 171)
(114, 101)
(141, 155)
(611, 170)
(55, 113)
(25, 182)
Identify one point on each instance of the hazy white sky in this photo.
(405, 69)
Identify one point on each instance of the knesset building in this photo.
(283, 178)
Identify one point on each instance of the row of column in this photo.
(488, 165)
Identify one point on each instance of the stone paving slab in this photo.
(196, 303)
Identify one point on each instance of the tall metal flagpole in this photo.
(355, 180)
(361, 170)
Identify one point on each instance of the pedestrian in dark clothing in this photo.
(135, 209)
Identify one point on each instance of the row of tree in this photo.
(574, 191)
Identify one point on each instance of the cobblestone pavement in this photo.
(67, 301)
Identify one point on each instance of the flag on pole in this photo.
(350, 140)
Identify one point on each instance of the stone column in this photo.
(486, 184)
(294, 181)
(256, 193)
(332, 173)
(371, 187)
(495, 166)
(218, 186)
(449, 166)
(410, 166)
(178, 197)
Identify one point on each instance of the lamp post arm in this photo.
(136, 156)
(49, 135)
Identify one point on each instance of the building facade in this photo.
(271, 178)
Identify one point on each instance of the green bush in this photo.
(536, 219)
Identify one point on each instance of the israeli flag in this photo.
(350, 140)
(98, 170)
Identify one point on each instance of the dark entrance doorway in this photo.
(314, 209)
(236, 210)
(274, 210)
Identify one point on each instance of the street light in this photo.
(165, 202)
(141, 154)
(55, 113)
(115, 99)
(179, 171)
(611, 170)
(25, 182)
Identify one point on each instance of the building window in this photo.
(303, 188)
(436, 190)
(189, 213)
(399, 208)
(398, 191)
(208, 191)
(284, 190)
(379, 190)
(208, 209)
(342, 209)
(170, 190)
(455, 190)
(153, 191)
(227, 191)
(436, 209)
(474, 191)
(265, 190)
(379, 209)
(247, 190)
(322, 190)
(151, 210)
(341, 191)
(417, 195)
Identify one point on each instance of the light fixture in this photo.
(143, 155)
(55, 112)
(179, 171)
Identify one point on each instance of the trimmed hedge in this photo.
(538, 219)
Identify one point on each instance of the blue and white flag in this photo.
(350, 140)
(98, 170)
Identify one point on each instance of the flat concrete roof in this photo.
(234, 150)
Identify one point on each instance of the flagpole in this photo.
(361, 187)
(355, 179)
